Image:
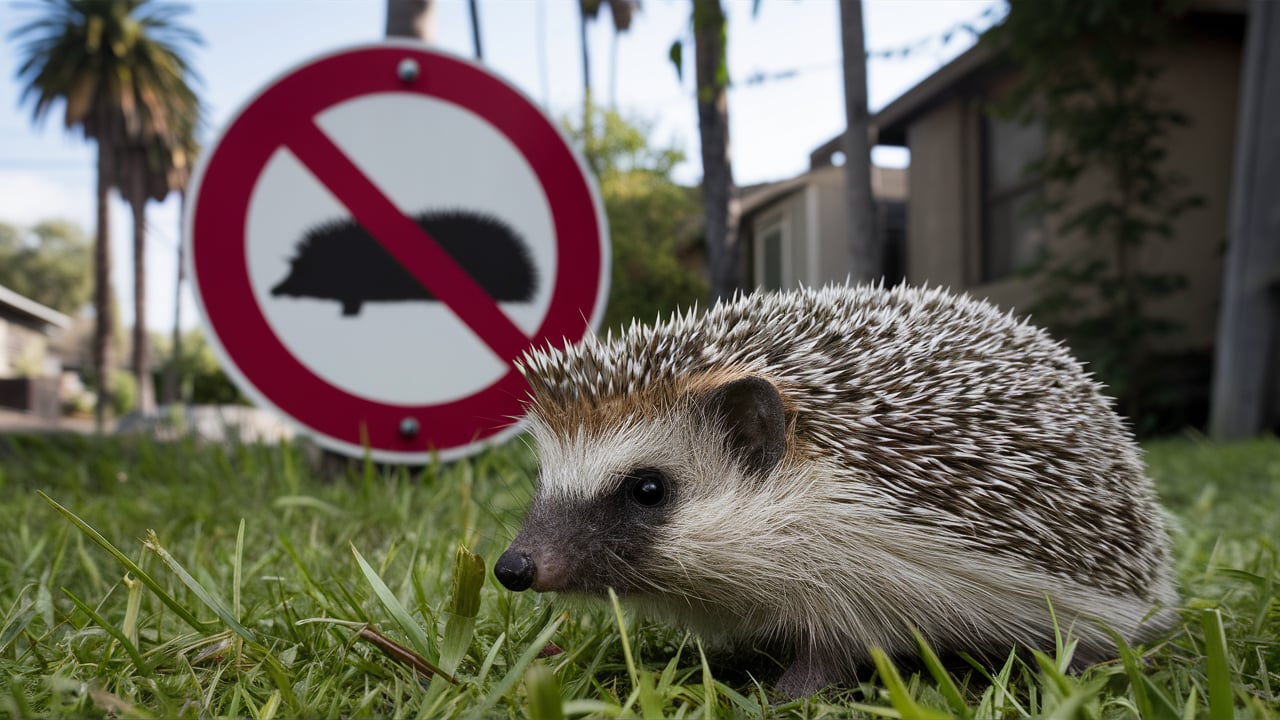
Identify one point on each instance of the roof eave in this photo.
(889, 126)
(33, 309)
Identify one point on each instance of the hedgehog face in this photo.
(616, 503)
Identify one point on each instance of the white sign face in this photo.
(372, 251)
(395, 365)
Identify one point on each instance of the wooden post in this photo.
(1246, 376)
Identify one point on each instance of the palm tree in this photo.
(149, 170)
(117, 67)
(412, 19)
(718, 193)
(621, 11)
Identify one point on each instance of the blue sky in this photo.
(47, 172)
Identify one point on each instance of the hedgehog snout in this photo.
(515, 570)
(520, 568)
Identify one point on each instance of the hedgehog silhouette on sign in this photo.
(340, 260)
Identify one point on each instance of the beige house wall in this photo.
(833, 260)
(1207, 86)
(943, 214)
(790, 211)
(22, 350)
(936, 213)
(813, 210)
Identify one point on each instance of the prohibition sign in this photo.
(283, 118)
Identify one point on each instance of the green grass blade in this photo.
(142, 666)
(236, 570)
(946, 685)
(899, 695)
(464, 606)
(1051, 671)
(17, 621)
(516, 672)
(874, 710)
(543, 693)
(133, 606)
(1221, 696)
(708, 686)
(651, 702)
(1162, 705)
(214, 603)
(412, 630)
(1189, 710)
(490, 658)
(130, 565)
(280, 676)
(306, 501)
(19, 698)
(622, 633)
(269, 708)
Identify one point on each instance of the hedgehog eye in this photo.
(648, 486)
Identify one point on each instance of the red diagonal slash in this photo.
(408, 243)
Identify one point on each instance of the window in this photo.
(1012, 233)
(771, 253)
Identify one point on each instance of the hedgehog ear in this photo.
(750, 410)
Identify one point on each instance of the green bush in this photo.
(653, 221)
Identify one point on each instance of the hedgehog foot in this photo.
(350, 307)
(808, 673)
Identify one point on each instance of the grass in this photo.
(141, 579)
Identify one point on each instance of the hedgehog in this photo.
(820, 472)
(340, 260)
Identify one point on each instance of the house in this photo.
(795, 232)
(967, 221)
(29, 373)
(967, 224)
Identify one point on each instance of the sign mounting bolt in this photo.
(409, 427)
(407, 70)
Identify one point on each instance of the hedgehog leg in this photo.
(808, 673)
(350, 307)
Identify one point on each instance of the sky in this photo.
(784, 63)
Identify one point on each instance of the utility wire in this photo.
(965, 29)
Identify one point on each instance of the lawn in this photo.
(170, 580)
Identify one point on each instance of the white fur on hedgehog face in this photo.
(724, 526)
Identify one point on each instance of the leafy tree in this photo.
(51, 265)
(651, 221)
(201, 379)
(1087, 76)
(116, 67)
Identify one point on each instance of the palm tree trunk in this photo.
(171, 371)
(412, 19)
(104, 360)
(718, 202)
(141, 350)
(868, 263)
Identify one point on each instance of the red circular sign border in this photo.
(241, 332)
